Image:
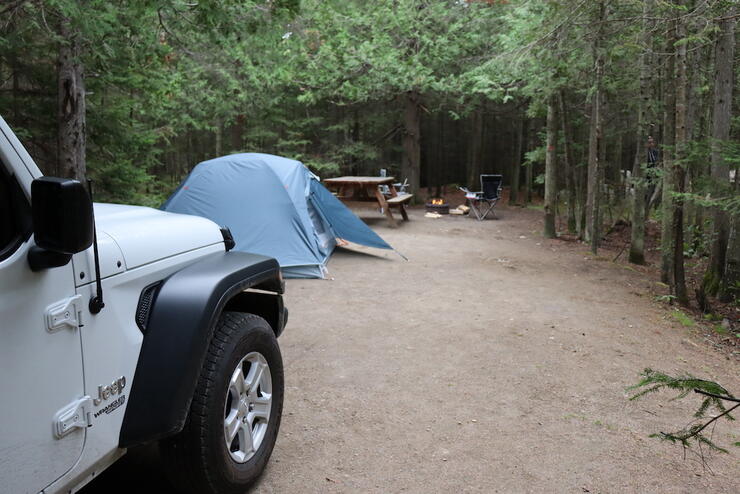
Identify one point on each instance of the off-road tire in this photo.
(197, 459)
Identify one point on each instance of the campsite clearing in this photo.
(492, 361)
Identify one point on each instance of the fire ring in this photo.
(438, 206)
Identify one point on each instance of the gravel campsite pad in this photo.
(492, 361)
(488, 362)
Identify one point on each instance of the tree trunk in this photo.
(692, 211)
(551, 188)
(616, 168)
(355, 138)
(679, 170)
(637, 241)
(531, 133)
(411, 164)
(476, 141)
(237, 133)
(723, 83)
(219, 137)
(70, 105)
(434, 158)
(581, 173)
(16, 86)
(592, 181)
(516, 165)
(730, 286)
(594, 139)
(669, 126)
(731, 278)
(602, 197)
(570, 172)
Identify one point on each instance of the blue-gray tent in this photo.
(273, 206)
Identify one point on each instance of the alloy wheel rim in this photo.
(248, 406)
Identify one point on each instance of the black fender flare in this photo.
(180, 327)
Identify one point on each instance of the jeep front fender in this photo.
(177, 336)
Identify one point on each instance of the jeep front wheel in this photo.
(235, 413)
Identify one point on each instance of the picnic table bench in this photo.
(367, 189)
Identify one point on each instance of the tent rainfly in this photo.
(273, 206)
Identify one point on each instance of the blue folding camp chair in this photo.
(482, 203)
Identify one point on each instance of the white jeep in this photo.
(135, 327)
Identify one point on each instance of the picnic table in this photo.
(367, 189)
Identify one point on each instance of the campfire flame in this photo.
(438, 202)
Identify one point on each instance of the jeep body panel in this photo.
(180, 326)
(111, 257)
(102, 364)
(40, 373)
(157, 235)
(111, 342)
(145, 235)
(40, 369)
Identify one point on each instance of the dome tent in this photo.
(273, 206)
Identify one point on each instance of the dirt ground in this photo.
(491, 361)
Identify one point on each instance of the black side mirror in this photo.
(62, 221)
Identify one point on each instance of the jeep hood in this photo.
(146, 235)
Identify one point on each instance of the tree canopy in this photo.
(436, 91)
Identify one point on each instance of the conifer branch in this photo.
(715, 394)
(727, 398)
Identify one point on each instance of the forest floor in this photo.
(492, 361)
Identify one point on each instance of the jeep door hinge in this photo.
(63, 314)
(76, 415)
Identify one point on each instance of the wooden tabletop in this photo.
(360, 180)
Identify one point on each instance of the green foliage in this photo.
(701, 239)
(535, 156)
(734, 289)
(154, 72)
(653, 381)
(714, 397)
(682, 318)
(666, 298)
(174, 82)
(349, 53)
(708, 191)
(718, 328)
